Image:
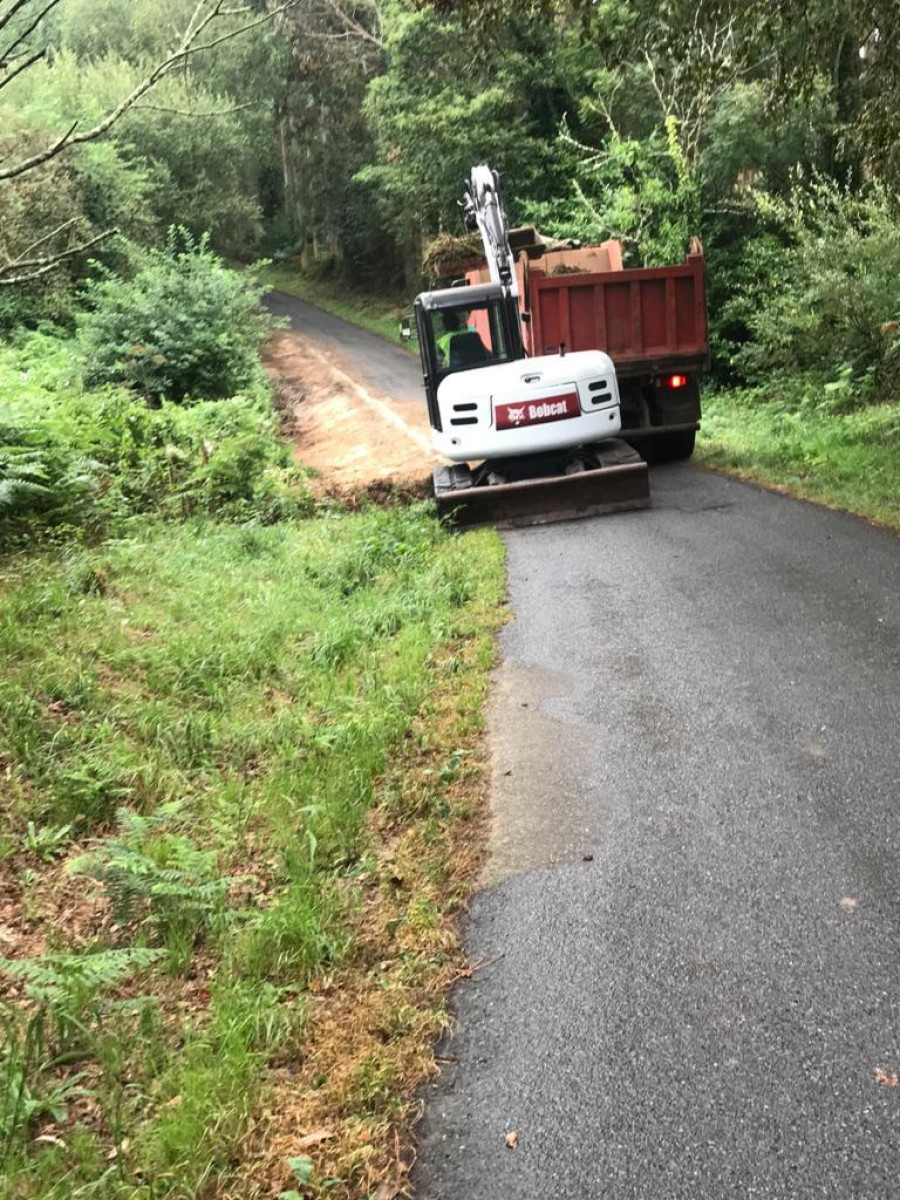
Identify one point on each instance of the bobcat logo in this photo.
(516, 415)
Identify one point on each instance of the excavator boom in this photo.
(483, 210)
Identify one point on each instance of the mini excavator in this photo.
(529, 439)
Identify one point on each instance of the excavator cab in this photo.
(461, 329)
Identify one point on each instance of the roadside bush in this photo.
(74, 989)
(78, 462)
(828, 304)
(186, 327)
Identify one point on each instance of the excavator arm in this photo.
(483, 210)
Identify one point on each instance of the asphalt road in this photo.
(688, 928)
(375, 362)
(689, 923)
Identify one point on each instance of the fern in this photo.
(58, 980)
(23, 477)
(37, 479)
(67, 993)
(69, 987)
(158, 879)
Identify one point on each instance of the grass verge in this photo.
(242, 785)
(376, 313)
(849, 461)
(82, 464)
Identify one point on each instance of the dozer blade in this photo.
(608, 478)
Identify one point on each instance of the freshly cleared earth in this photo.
(354, 402)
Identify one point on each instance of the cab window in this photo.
(468, 336)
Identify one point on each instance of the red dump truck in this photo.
(650, 321)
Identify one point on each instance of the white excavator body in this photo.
(527, 406)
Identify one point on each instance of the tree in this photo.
(336, 50)
(500, 101)
(23, 28)
(855, 45)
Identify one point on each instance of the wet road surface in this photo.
(689, 919)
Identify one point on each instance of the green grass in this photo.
(76, 463)
(378, 314)
(847, 460)
(194, 720)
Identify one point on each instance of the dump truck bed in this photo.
(651, 319)
(647, 319)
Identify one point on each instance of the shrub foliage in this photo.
(75, 461)
(186, 327)
(826, 300)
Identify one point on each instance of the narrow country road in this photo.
(387, 368)
(690, 916)
(352, 403)
(688, 931)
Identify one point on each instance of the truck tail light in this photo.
(677, 381)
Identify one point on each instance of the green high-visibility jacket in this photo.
(443, 346)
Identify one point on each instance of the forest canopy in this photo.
(337, 133)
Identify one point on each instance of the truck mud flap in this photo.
(608, 478)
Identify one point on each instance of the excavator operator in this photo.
(460, 345)
(453, 326)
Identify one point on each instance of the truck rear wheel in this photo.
(669, 447)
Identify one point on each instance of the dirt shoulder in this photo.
(352, 435)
